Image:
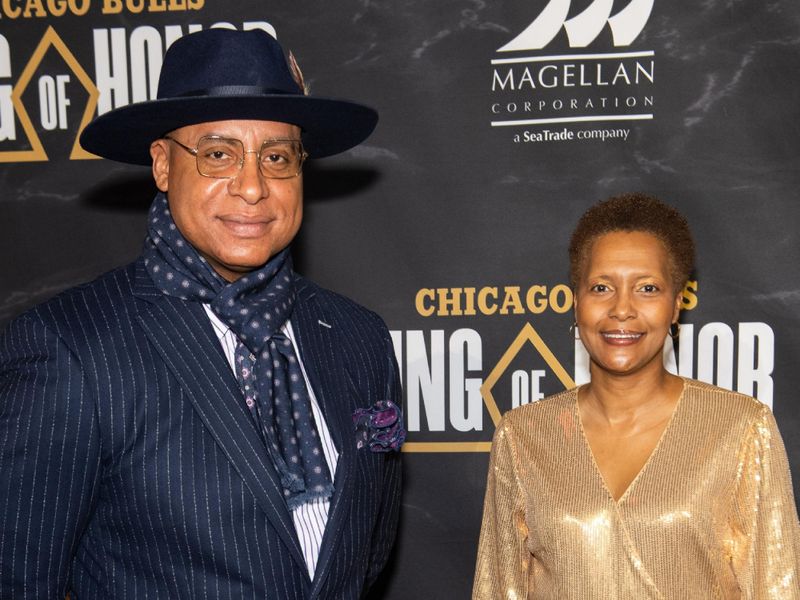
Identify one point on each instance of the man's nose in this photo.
(249, 183)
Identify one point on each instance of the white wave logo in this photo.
(583, 28)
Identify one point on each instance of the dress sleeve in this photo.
(503, 565)
(767, 554)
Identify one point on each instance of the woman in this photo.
(639, 484)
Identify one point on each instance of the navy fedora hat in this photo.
(220, 75)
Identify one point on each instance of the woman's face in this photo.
(625, 302)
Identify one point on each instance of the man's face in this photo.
(235, 224)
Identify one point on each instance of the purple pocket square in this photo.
(380, 427)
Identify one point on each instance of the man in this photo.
(204, 423)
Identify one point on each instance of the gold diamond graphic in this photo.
(527, 335)
(37, 152)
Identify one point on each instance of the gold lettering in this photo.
(134, 6)
(512, 299)
(9, 11)
(449, 306)
(469, 296)
(689, 298)
(112, 7)
(515, 300)
(422, 295)
(177, 4)
(12, 9)
(79, 7)
(536, 299)
(57, 7)
(34, 5)
(557, 292)
(158, 6)
(483, 295)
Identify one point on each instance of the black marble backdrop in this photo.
(452, 220)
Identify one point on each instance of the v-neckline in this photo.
(619, 501)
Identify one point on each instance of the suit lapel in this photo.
(183, 336)
(316, 339)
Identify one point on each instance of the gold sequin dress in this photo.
(710, 515)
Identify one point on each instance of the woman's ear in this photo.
(678, 304)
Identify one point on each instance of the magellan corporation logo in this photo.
(574, 94)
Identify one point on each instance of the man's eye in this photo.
(599, 287)
(650, 288)
(218, 154)
(275, 158)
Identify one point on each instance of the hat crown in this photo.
(196, 64)
(221, 75)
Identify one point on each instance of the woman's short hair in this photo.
(634, 212)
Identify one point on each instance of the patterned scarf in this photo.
(255, 307)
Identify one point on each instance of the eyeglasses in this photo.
(223, 158)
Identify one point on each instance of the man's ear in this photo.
(159, 152)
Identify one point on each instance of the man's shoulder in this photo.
(334, 304)
(90, 301)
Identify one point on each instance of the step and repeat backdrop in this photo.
(501, 122)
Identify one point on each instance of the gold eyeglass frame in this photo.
(193, 151)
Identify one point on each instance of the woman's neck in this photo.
(624, 396)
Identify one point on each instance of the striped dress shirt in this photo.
(310, 517)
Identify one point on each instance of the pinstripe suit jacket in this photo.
(130, 467)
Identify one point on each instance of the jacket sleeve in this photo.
(386, 526)
(503, 564)
(766, 554)
(49, 460)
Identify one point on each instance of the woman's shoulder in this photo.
(713, 397)
(722, 409)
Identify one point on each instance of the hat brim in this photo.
(329, 126)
